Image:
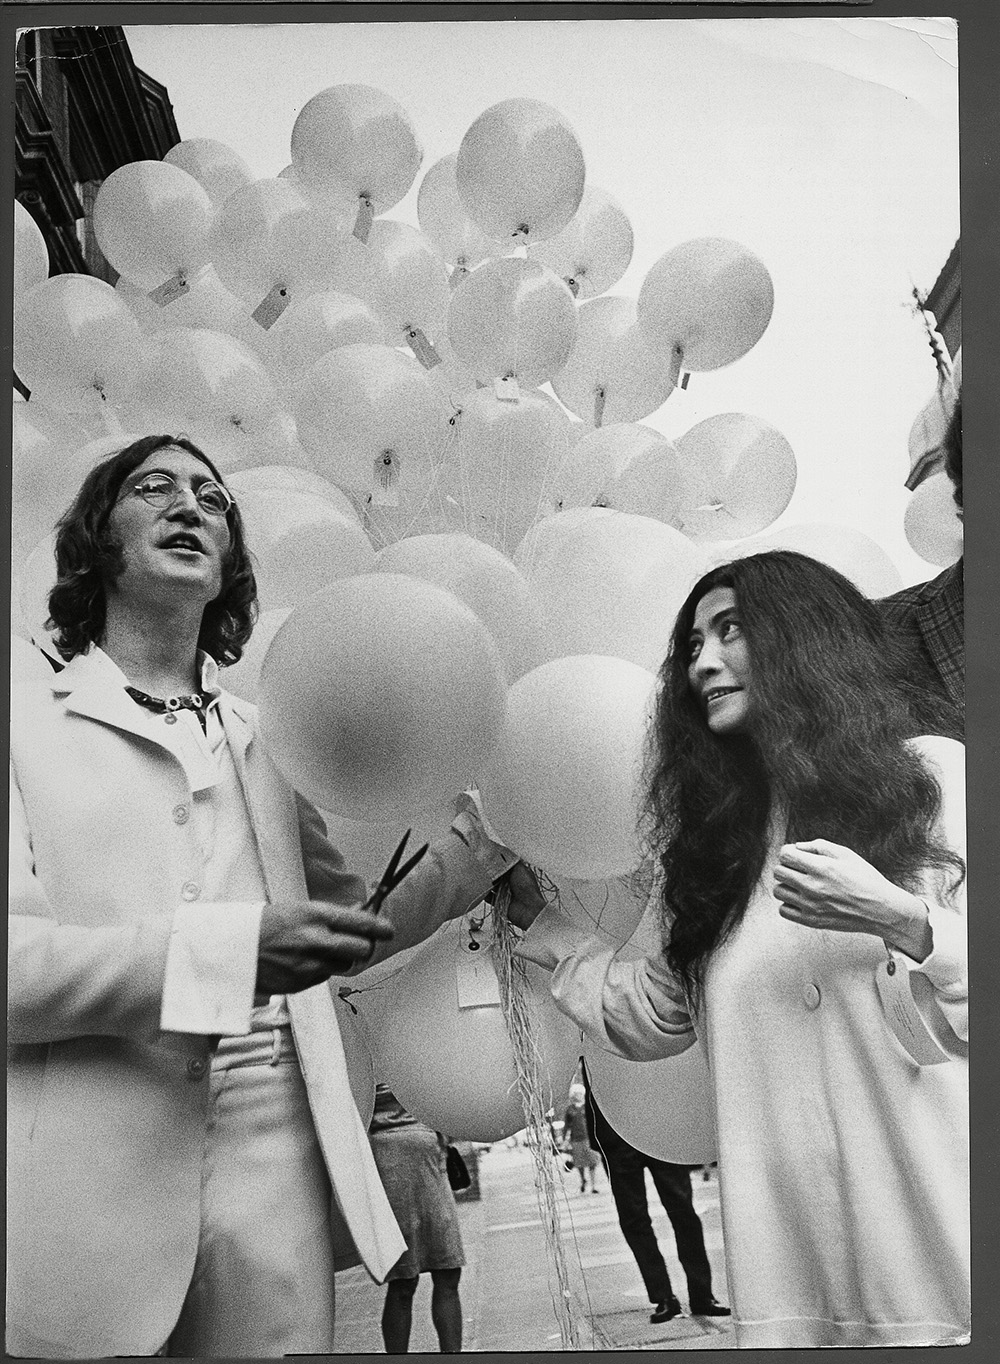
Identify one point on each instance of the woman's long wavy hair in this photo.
(831, 708)
(88, 557)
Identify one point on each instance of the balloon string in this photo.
(517, 1015)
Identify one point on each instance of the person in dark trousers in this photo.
(626, 1169)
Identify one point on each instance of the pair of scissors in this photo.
(393, 874)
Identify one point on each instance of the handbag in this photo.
(458, 1172)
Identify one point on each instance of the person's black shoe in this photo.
(710, 1309)
(666, 1311)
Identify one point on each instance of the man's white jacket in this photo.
(106, 1111)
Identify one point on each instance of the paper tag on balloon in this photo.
(270, 308)
(422, 348)
(174, 288)
(600, 394)
(363, 222)
(475, 975)
(685, 376)
(506, 390)
(904, 1018)
(385, 480)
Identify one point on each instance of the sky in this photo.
(828, 147)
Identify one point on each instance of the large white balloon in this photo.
(609, 582)
(663, 1108)
(77, 345)
(442, 216)
(486, 581)
(152, 221)
(608, 909)
(217, 167)
(52, 452)
(300, 542)
(931, 522)
(513, 317)
(628, 467)
(453, 1067)
(31, 255)
(381, 696)
(313, 325)
(399, 274)
(613, 373)
(594, 249)
(850, 551)
(520, 170)
(506, 456)
(359, 139)
(207, 304)
(740, 472)
(372, 420)
(710, 299)
(266, 478)
(563, 787)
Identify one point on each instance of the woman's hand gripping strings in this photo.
(823, 885)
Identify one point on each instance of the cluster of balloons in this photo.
(469, 548)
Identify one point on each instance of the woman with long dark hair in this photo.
(808, 851)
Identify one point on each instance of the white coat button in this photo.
(170, 719)
(811, 996)
(190, 890)
(196, 1067)
(181, 813)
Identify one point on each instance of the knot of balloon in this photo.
(574, 285)
(600, 395)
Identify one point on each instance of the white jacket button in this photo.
(190, 890)
(181, 814)
(811, 996)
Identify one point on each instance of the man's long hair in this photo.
(829, 715)
(88, 557)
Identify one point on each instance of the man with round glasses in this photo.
(186, 1165)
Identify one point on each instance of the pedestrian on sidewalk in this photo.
(412, 1164)
(575, 1133)
(626, 1169)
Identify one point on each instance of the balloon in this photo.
(314, 324)
(31, 255)
(443, 218)
(76, 344)
(931, 522)
(49, 460)
(454, 1067)
(213, 388)
(243, 678)
(218, 169)
(269, 237)
(357, 1054)
(593, 250)
(400, 276)
(513, 317)
(626, 466)
(711, 299)
(520, 170)
(265, 478)
(850, 551)
(929, 431)
(151, 220)
(359, 139)
(741, 475)
(207, 304)
(562, 789)
(381, 696)
(663, 1108)
(300, 543)
(613, 374)
(609, 582)
(486, 581)
(506, 454)
(371, 419)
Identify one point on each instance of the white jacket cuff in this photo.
(947, 965)
(211, 971)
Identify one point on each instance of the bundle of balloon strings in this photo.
(517, 1014)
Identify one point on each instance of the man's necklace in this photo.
(168, 706)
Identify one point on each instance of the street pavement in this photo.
(507, 1284)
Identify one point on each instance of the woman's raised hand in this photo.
(820, 884)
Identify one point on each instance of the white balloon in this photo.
(850, 551)
(217, 167)
(628, 467)
(931, 522)
(443, 218)
(280, 477)
(243, 678)
(613, 373)
(563, 788)
(740, 473)
(609, 582)
(313, 325)
(31, 255)
(594, 249)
